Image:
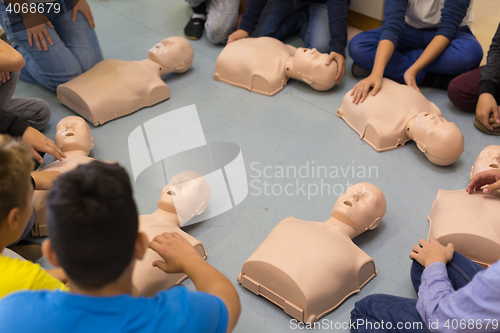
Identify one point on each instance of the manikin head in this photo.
(174, 54)
(310, 65)
(361, 207)
(488, 158)
(186, 195)
(440, 140)
(73, 133)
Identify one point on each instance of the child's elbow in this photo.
(18, 62)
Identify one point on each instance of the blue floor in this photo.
(295, 127)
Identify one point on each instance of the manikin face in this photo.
(174, 53)
(186, 195)
(440, 140)
(361, 207)
(73, 133)
(488, 158)
(311, 66)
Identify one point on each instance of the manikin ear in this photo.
(200, 209)
(374, 224)
(141, 245)
(307, 79)
(422, 147)
(180, 65)
(49, 253)
(91, 142)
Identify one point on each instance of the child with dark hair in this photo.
(93, 235)
(16, 188)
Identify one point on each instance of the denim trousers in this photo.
(75, 50)
(463, 54)
(283, 18)
(385, 313)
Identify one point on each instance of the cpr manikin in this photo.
(488, 158)
(185, 196)
(470, 221)
(115, 88)
(399, 113)
(74, 138)
(308, 268)
(265, 64)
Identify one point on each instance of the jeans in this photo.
(283, 18)
(463, 90)
(383, 313)
(463, 54)
(34, 111)
(75, 50)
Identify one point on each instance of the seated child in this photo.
(454, 293)
(479, 90)
(93, 233)
(15, 210)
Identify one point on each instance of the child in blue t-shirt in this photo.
(93, 234)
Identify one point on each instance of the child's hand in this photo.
(360, 90)
(427, 253)
(176, 252)
(485, 178)
(238, 34)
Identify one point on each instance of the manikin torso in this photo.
(185, 196)
(150, 280)
(256, 64)
(470, 222)
(381, 120)
(308, 268)
(114, 88)
(282, 266)
(73, 159)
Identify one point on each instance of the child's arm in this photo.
(392, 27)
(385, 49)
(10, 59)
(180, 256)
(437, 46)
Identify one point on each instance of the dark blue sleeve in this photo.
(452, 15)
(251, 17)
(337, 21)
(394, 20)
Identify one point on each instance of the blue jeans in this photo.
(463, 54)
(283, 18)
(75, 50)
(374, 310)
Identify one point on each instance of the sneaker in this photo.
(359, 72)
(194, 28)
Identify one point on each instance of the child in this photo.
(454, 293)
(15, 210)
(420, 43)
(93, 234)
(479, 90)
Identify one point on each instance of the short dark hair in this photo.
(92, 223)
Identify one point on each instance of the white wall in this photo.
(371, 8)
